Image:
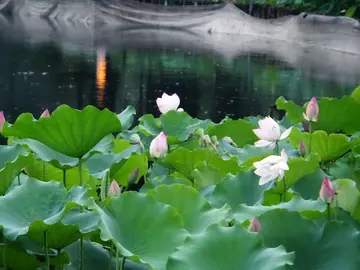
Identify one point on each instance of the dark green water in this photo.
(44, 75)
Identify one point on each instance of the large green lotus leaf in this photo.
(240, 131)
(335, 114)
(194, 209)
(228, 248)
(126, 117)
(297, 204)
(185, 161)
(205, 175)
(309, 185)
(298, 168)
(12, 159)
(142, 228)
(121, 171)
(328, 147)
(43, 203)
(176, 125)
(71, 227)
(356, 94)
(348, 196)
(18, 259)
(96, 257)
(48, 154)
(334, 246)
(35, 169)
(98, 164)
(345, 167)
(165, 180)
(293, 111)
(69, 131)
(235, 190)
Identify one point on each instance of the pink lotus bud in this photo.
(312, 110)
(114, 188)
(302, 149)
(45, 114)
(254, 225)
(327, 191)
(133, 176)
(159, 146)
(2, 121)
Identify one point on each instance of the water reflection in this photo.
(44, 75)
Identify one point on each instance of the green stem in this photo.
(81, 210)
(277, 149)
(122, 267)
(284, 194)
(110, 255)
(44, 171)
(117, 259)
(46, 250)
(328, 212)
(81, 253)
(80, 172)
(64, 178)
(18, 178)
(4, 253)
(310, 131)
(58, 266)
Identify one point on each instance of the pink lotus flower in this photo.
(327, 191)
(159, 146)
(45, 114)
(2, 120)
(312, 111)
(168, 103)
(114, 189)
(254, 225)
(302, 149)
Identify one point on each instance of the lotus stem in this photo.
(44, 171)
(122, 266)
(80, 172)
(277, 148)
(110, 255)
(284, 194)
(18, 178)
(117, 259)
(4, 253)
(64, 178)
(46, 250)
(310, 131)
(81, 253)
(58, 266)
(328, 212)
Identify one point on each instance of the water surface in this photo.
(212, 83)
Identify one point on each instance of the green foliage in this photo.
(194, 205)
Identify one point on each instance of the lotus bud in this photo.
(254, 225)
(312, 110)
(200, 132)
(45, 114)
(206, 138)
(214, 140)
(135, 139)
(133, 176)
(114, 189)
(159, 146)
(327, 191)
(2, 120)
(302, 149)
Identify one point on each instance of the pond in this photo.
(212, 81)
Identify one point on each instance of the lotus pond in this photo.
(91, 189)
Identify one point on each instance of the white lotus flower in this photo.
(269, 133)
(168, 103)
(271, 167)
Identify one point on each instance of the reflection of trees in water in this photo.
(209, 87)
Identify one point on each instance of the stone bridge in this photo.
(94, 18)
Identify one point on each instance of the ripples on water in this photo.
(44, 75)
